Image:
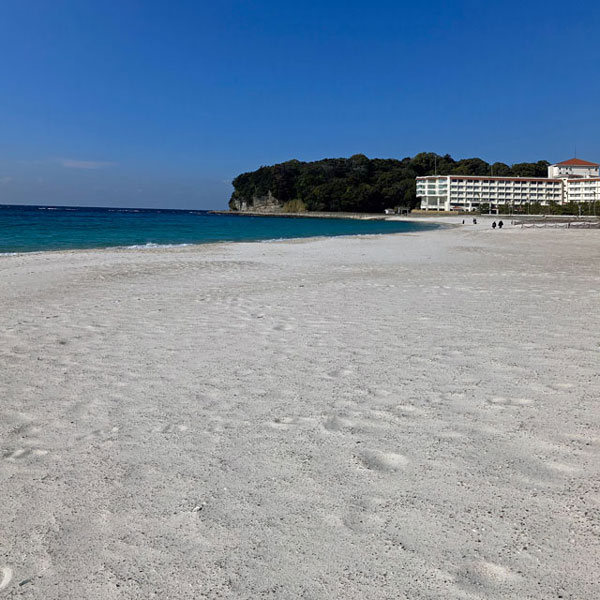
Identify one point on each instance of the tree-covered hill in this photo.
(357, 184)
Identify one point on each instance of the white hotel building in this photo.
(573, 180)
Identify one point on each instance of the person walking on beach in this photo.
(494, 225)
(500, 224)
(474, 221)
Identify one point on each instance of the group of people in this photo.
(499, 224)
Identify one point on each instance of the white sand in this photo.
(410, 416)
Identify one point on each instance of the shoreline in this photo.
(174, 245)
(445, 223)
(199, 246)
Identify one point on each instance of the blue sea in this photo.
(39, 228)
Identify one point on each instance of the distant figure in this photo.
(474, 221)
(463, 221)
(494, 225)
(500, 224)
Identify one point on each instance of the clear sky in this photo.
(162, 103)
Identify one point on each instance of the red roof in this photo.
(577, 162)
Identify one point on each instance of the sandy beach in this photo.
(386, 417)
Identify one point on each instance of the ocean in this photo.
(40, 228)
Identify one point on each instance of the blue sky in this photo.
(156, 103)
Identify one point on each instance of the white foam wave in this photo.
(153, 245)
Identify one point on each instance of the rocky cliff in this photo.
(262, 204)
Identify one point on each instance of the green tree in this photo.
(500, 169)
(360, 184)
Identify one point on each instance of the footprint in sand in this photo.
(362, 522)
(171, 427)
(244, 372)
(340, 373)
(407, 410)
(16, 454)
(381, 393)
(563, 468)
(375, 460)
(451, 396)
(21, 453)
(291, 422)
(487, 574)
(283, 422)
(6, 578)
(561, 387)
(104, 434)
(335, 423)
(26, 429)
(502, 401)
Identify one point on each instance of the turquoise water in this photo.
(36, 228)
